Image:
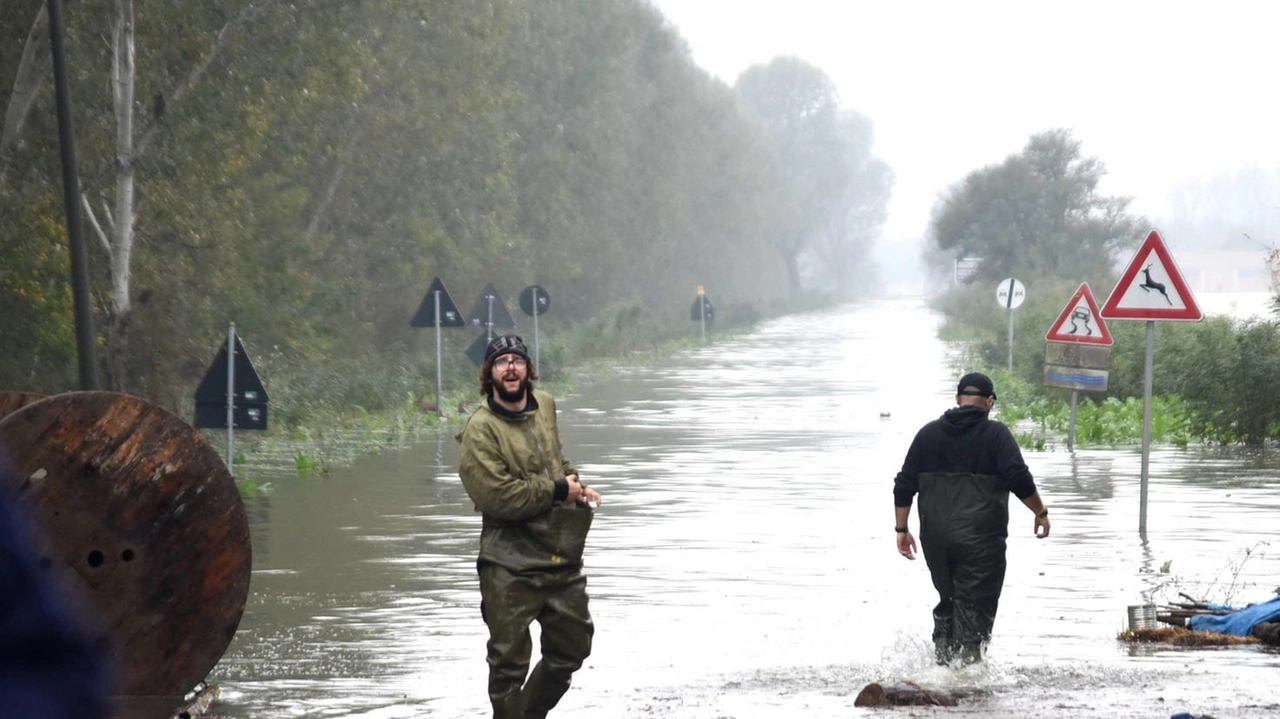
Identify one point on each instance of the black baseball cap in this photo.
(505, 345)
(976, 384)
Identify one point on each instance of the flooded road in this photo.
(743, 564)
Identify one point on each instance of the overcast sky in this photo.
(1160, 92)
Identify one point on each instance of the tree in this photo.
(796, 105)
(33, 68)
(1038, 213)
(860, 211)
(116, 230)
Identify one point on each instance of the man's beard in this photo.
(511, 397)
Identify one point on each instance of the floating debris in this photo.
(1182, 637)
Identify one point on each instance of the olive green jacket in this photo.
(509, 467)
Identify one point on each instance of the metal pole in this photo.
(1008, 303)
(439, 408)
(71, 195)
(488, 325)
(1147, 382)
(231, 394)
(1071, 428)
(536, 363)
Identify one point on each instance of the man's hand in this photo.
(906, 545)
(575, 490)
(590, 497)
(1042, 527)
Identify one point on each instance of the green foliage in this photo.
(306, 465)
(334, 157)
(1229, 374)
(1037, 214)
(252, 486)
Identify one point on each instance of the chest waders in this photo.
(964, 520)
(555, 597)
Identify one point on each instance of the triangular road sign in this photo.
(426, 314)
(1080, 321)
(475, 352)
(250, 398)
(1151, 287)
(480, 314)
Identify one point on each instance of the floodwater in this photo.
(743, 563)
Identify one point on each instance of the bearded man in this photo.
(536, 514)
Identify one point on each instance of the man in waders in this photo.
(964, 465)
(535, 523)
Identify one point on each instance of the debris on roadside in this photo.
(1182, 637)
(898, 694)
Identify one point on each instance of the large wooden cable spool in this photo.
(142, 516)
(14, 401)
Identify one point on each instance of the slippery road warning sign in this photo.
(1080, 321)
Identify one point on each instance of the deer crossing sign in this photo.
(1152, 287)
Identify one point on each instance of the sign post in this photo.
(1160, 295)
(1010, 293)
(437, 310)
(231, 392)
(534, 301)
(1078, 351)
(702, 311)
(240, 403)
(491, 312)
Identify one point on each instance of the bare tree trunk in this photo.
(118, 306)
(791, 255)
(33, 68)
(120, 248)
(322, 208)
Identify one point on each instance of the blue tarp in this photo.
(1238, 623)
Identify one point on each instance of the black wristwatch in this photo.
(901, 530)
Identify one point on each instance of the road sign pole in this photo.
(488, 325)
(1147, 382)
(702, 313)
(1071, 428)
(439, 360)
(536, 363)
(1009, 306)
(231, 395)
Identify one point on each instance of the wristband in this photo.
(901, 530)
(1043, 514)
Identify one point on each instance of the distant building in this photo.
(1224, 270)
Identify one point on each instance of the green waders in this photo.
(510, 602)
(964, 520)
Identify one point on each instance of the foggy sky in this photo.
(1169, 96)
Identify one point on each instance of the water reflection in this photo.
(743, 564)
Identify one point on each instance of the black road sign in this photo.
(250, 395)
(526, 301)
(480, 313)
(426, 314)
(708, 309)
(476, 350)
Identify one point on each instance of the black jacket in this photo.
(963, 440)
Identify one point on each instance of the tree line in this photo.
(306, 168)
